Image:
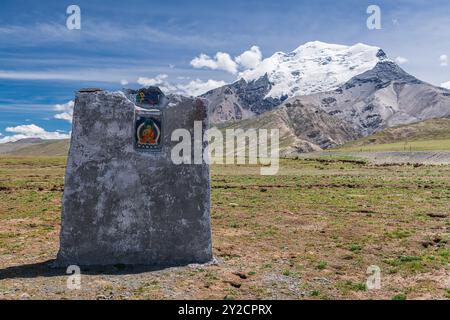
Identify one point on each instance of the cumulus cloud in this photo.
(192, 88)
(401, 60)
(31, 131)
(250, 59)
(158, 80)
(446, 85)
(198, 87)
(221, 61)
(123, 82)
(443, 60)
(65, 111)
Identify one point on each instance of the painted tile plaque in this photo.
(148, 130)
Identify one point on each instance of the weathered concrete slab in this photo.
(122, 206)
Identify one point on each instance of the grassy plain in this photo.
(311, 232)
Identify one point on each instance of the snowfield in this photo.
(314, 67)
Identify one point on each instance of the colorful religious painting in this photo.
(148, 131)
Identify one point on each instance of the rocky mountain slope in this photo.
(383, 97)
(303, 127)
(241, 100)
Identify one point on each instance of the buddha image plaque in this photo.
(148, 130)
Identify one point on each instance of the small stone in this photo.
(25, 296)
(427, 244)
(234, 284)
(437, 215)
(240, 275)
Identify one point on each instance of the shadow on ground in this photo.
(46, 269)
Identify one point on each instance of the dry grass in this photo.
(309, 233)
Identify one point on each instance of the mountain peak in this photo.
(315, 67)
(386, 71)
(319, 45)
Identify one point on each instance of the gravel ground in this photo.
(393, 157)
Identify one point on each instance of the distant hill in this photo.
(35, 147)
(17, 145)
(433, 134)
(303, 127)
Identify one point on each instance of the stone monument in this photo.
(125, 201)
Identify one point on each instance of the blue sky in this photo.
(42, 63)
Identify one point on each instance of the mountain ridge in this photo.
(383, 97)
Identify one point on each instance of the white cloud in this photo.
(446, 85)
(65, 111)
(193, 88)
(250, 59)
(221, 61)
(444, 60)
(31, 131)
(198, 87)
(123, 82)
(147, 82)
(401, 60)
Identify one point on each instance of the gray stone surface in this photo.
(121, 206)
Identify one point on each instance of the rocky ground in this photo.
(390, 157)
(309, 233)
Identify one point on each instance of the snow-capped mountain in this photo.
(314, 67)
(383, 97)
(311, 68)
